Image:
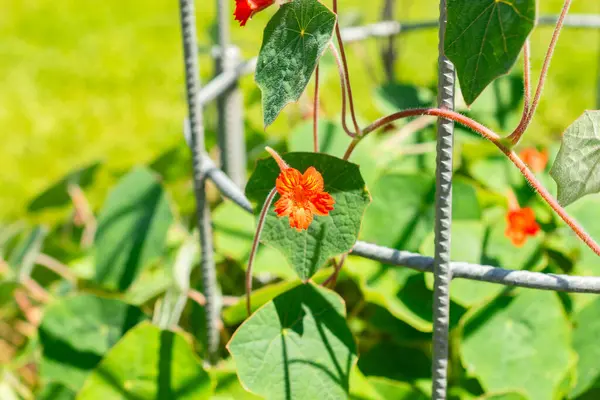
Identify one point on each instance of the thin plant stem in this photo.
(280, 162)
(55, 266)
(526, 90)
(197, 297)
(259, 228)
(501, 144)
(516, 136)
(332, 280)
(316, 113)
(338, 61)
(408, 130)
(346, 73)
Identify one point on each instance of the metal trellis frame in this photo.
(223, 88)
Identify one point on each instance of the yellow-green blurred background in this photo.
(83, 81)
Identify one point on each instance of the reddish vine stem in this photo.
(338, 61)
(316, 113)
(338, 34)
(500, 144)
(338, 267)
(526, 92)
(259, 228)
(516, 135)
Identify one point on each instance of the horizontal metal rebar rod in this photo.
(223, 81)
(385, 255)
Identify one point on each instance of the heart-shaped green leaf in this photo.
(587, 346)
(297, 346)
(148, 364)
(327, 236)
(77, 331)
(132, 228)
(484, 38)
(576, 169)
(294, 40)
(527, 336)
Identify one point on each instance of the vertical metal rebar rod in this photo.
(443, 220)
(207, 263)
(598, 79)
(388, 52)
(230, 105)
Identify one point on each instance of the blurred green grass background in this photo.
(85, 81)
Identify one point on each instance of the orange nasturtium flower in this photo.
(245, 9)
(301, 195)
(521, 222)
(535, 159)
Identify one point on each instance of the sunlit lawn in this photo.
(85, 81)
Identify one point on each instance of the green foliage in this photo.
(132, 228)
(505, 344)
(296, 346)
(77, 331)
(148, 364)
(528, 338)
(484, 38)
(57, 195)
(576, 169)
(326, 237)
(585, 343)
(22, 258)
(294, 40)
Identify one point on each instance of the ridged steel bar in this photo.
(388, 50)
(442, 274)
(484, 273)
(385, 255)
(197, 146)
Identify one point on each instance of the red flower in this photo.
(521, 223)
(245, 9)
(536, 160)
(302, 195)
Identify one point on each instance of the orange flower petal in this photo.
(300, 218)
(288, 180)
(284, 206)
(322, 203)
(312, 180)
(521, 223)
(244, 9)
(536, 160)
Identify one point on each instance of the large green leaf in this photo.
(132, 228)
(402, 211)
(484, 38)
(55, 391)
(400, 290)
(519, 343)
(297, 346)
(229, 386)
(326, 237)
(76, 332)
(233, 232)
(237, 313)
(576, 169)
(22, 258)
(148, 364)
(389, 389)
(57, 195)
(294, 40)
(587, 346)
